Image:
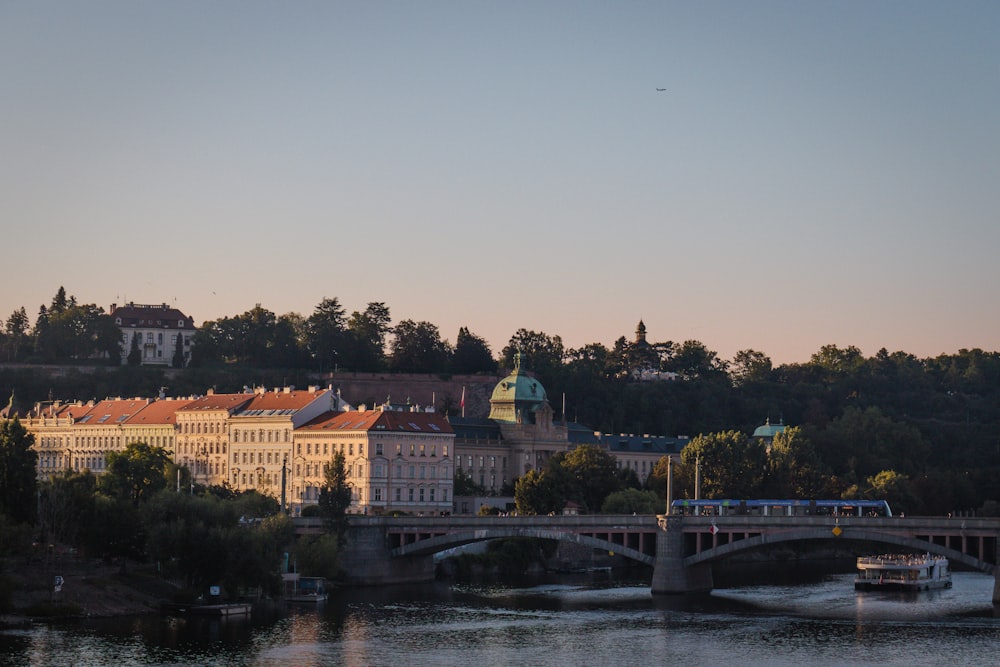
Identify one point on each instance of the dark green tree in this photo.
(17, 470)
(367, 332)
(540, 353)
(335, 497)
(472, 354)
(66, 506)
(134, 357)
(417, 348)
(16, 341)
(326, 335)
(595, 474)
(750, 366)
(731, 464)
(178, 359)
(135, 473)
(632, 501)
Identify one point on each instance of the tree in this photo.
(16, 334)
(795, 469)
(750, 366)
(693, 360)
(178, 359)
(464, 485)
(17, 471)
(417, 348)
(134, 357)
(135, 473)
(632, 501)
(66, 506)
(335, 497)
(595, 472)
(540, 352)
(366, 335)
(325, 333)
(472, 354)
(542, 491)
(731, 464)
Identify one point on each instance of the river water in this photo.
(590, 620)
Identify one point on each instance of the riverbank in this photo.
(87, 590)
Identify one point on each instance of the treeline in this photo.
(935, 421)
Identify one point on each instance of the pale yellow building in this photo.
(261, 434)
(396, 460)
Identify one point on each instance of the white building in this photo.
(156, 330)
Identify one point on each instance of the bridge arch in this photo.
(439, 543)
(759, 541)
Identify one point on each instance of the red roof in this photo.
(161, 316)
(163, 411)
(280, 400)
(111, 411)
(218, 402)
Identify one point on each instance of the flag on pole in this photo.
(463, 401)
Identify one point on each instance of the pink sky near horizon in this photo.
(813, 174)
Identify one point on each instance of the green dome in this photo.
(518, 392)
(769, 430)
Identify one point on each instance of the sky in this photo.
(814, 173)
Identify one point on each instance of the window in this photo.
(399, 450)
(378, 449)
(434, 450)
(399, 494)
(378, 494)
(422, 452)
(432, 495)
(444, 450)
(159, 339)
(410, 495)
(412, 449)
(421, 494)
(351, 449)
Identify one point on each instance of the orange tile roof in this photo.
(293, 400)
(163, 411)
(218, 402)
(111, 411)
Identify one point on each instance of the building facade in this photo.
(397, 460)
(156, 330)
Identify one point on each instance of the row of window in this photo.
(272, 436)
(415, 450)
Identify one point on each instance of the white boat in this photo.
(311, 590)
(902, 572)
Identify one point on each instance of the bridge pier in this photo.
(670, 575)
(366, 559)
(996, 586)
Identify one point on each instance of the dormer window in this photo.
(180, 324)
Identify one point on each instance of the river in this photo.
(589, 620)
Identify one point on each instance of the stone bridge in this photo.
(681, 549)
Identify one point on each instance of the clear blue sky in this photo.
(815, 172)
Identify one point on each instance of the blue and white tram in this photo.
(731, 507)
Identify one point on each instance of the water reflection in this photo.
(586, 621)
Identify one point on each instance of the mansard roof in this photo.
(389, 421)
(279, 402)
(228, 402)
(158, 316)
